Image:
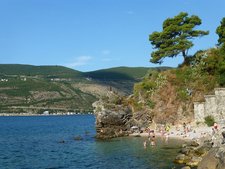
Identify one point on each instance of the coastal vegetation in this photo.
(167, 96)
(209, 120)
(171, 93)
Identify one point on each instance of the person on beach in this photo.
(165, 137)
(167, 128)
(215, 126)
(149, 132)
(223, 139)
(162, 129)
(213, 131)
(185, 128)
(188, 127)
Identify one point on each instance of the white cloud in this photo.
(106, 52)
(80, 61)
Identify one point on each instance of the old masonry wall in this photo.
(214, 105)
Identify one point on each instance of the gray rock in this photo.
(194, 161)
(187, 150)
(215, 159)
(181, 159)
(112, 119)
(193, 144)
(186, 167)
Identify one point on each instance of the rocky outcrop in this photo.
(192, 153)
(215, 159)
(207, 153)
(112, 118)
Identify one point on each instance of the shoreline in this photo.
(197, 133)
(30, 114)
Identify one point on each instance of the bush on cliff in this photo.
(209, 120)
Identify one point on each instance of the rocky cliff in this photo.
(112, 117)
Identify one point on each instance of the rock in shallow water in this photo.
(215, 159)
(112, 119)
(186, 167)
(181, 159)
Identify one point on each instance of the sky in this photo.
(88, 35)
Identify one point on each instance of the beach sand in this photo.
(196, 133)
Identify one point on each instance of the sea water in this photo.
(67, 142)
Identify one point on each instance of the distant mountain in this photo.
(27, 88)
(121, 73)
(118, 73)
(45, 71)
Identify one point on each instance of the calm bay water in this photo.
(47, 142)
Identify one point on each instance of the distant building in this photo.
(4, 80)
(45, 112)
(60, 79)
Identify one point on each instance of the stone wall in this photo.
(214, 105)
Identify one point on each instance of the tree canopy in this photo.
(175, 37)
(221, 32)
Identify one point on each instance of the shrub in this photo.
(182, 94)
(209, 120)
(151, 104)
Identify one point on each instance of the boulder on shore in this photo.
(215, 159)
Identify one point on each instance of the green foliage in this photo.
(221, 32)
(150, 104)
(214, 64)
(209, 120)
(182, 94)
(184, 76)
(175, 37)
(148, 85)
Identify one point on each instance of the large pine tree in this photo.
(175, 37)
(221, 32)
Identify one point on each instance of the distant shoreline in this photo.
(31, 114)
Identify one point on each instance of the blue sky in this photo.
(88, 35)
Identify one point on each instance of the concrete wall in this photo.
(199, 110)
(214, 105)
(220, 97)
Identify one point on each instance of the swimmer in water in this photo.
(145, 144)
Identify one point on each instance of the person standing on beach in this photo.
(185, 128)
(215, 126)
(167, 128)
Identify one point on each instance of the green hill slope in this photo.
(122, 73)
(27, 88)
(45, 71)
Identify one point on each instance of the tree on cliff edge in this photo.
(221, 32)
(176, 37)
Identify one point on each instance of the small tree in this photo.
(221, 32)
(175, 37)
